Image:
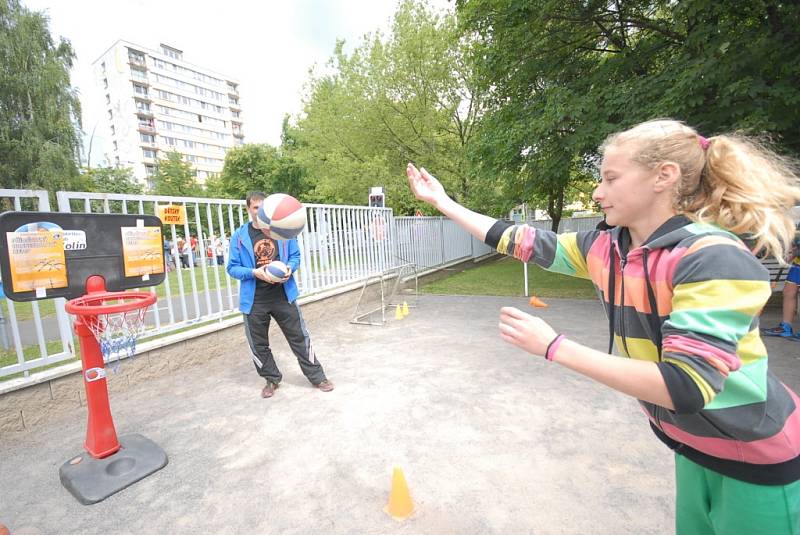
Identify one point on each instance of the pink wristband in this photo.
(553, 347)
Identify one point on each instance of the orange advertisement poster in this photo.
(142, 251)
(36, 258)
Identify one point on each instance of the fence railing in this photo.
(569, 224)
(41, 336)
(340, 245)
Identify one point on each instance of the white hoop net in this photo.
(117, 333)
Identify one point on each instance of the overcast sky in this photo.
(269, 46)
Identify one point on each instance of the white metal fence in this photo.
(340, 245)
(28, 347)
(569, 224)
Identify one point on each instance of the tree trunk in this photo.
(555, 208)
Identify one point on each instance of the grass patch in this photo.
(31, 352)
(198, 276)
(505, 277)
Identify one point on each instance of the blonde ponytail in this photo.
(750, 191)
(728, 180)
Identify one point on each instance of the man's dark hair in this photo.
(255, 196)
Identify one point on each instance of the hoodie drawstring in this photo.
(652, 317)
(612, 277)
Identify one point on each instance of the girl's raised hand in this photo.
(424, 185)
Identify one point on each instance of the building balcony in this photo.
(147, 114)
(146, 128)
(139, 62)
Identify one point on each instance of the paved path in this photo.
(491, 439)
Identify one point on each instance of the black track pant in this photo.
(290, 320)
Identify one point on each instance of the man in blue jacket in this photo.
(251, 249)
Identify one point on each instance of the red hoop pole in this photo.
(101, 436)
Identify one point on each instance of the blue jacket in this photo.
(242, 261)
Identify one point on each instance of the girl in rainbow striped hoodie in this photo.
(682, 292)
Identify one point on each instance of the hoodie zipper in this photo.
(623, 261)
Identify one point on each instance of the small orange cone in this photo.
(538, 303)
(398, 313)
(400, 506)
(405, 308)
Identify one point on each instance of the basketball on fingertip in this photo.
(283, 215)
(275, 271)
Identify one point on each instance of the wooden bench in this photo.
(777, 273)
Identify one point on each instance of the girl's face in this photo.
(626, 190)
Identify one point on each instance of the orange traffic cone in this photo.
(538, 303)
(400, 506)
(398, 313)
(405, 308)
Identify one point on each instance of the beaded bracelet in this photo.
(552, 347)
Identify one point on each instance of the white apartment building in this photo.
(156, 102)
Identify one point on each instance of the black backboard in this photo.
(51, 254)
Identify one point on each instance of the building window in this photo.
(105, 83)
(116, 161)
(139, 89)
(149, 170)
(235, 114)
(142, 106)
(115, 146)
(148, 153)
(171, 52)
(103, 66)
(233, 100)
(113, 131)
(135, 57)
(147, 138)
(110, 115)
(108, 99)
(138, 74)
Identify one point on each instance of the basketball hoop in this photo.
(116, 319)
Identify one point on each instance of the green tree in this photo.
(405, 97)
(562, 75)
(113, 180)
(175, 177)
(259, 167)
(39, 111)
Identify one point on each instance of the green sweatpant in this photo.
(709, 503)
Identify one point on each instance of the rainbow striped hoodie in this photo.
(688, 299)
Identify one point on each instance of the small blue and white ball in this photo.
(275, 271)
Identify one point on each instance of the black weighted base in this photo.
(93, 480)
